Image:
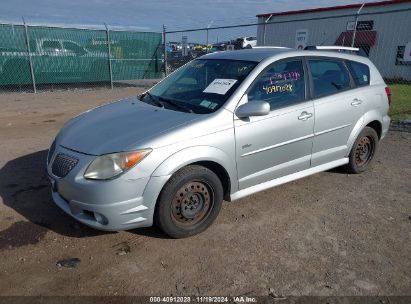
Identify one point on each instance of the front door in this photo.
(280, 143)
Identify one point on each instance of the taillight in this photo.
(388, 92)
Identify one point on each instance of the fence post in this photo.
(165, 50)
(109, 55)
(207, 41)
(355, 25)
(29, 53)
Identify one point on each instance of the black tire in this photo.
(189, 202)
(363, 151)
(248, 46)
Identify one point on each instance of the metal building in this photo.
(381, 29)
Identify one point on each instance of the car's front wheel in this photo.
(189, 202)
(363, 151)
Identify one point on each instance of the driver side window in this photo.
(281, 84)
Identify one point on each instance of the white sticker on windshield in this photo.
(220, 86)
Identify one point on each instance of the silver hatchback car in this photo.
(224, 126)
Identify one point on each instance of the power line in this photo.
(284, 21)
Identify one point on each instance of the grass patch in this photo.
(401, 101)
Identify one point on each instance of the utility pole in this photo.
(264, 29)
(207, 41)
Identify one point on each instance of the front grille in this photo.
(63, 164)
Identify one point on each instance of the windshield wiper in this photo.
(155, 101)
(175, 104)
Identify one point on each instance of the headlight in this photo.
(112, 165)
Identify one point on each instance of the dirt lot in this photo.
(328, 234)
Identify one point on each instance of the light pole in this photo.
(264, 29)
(355, 26)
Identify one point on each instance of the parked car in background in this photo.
(175, 46)
(202, 47)
(221, 46)
(245, 42)
(224, 126)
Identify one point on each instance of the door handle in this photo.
(305, 115)
(356, 102)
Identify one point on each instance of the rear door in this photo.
(278, 144)
(338, 107)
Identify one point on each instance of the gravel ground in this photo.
(328, 234)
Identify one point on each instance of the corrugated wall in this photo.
(393, 30)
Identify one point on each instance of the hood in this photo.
(119, 126)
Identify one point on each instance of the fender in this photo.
(360, 125)
(183, 158)
(196, 154)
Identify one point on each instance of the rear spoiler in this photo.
(337, 48)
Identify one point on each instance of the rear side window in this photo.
(329, 76)
(360, 73)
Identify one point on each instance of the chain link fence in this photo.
(380, 32)
(35, 58)
(42, 58)
(186, 45)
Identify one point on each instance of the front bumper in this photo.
(111, 205)
(110, 217)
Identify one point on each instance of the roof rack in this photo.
(337, 48)
(270, 47)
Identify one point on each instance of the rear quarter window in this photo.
(360, 73)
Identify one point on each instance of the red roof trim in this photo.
(332, 8)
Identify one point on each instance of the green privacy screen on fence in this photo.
(136, 55)
(14, 59)
(69, 55)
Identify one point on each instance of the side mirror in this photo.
(254, 108)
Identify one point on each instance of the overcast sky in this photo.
(149, 15)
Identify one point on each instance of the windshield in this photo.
(201, 86)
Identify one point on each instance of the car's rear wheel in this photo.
(189, 202)
(363, 151)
